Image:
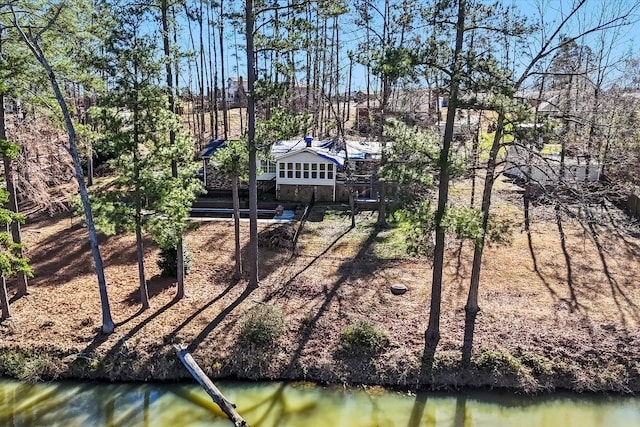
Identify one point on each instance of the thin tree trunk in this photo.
(323, 80)
(566, 135)
(144, 294)
(236, 226)
(225, 114)
(309, 50)
(432, 335)
(213, 75)
(203, 126)
(4, 298)
(528, 187)
(384, 106)
(472, 308)
(368, 28)
(107, 322)
(607, 146)
(240, 83)
(89, 167)
(180, 268)
(348, 108)
(172, 137)
(336, 65)
(197, 129)
(16, 233)
(474, 160)
(251, 133)
(382, 197)
(593, 127)
(317, 129)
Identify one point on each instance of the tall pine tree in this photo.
(154, 185)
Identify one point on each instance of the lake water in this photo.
(299, 405)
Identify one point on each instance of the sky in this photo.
(623, 41)
(550, 12)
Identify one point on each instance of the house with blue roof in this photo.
(299, 168)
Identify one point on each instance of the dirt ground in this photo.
(551, 318)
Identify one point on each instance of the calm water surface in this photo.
(299, 405)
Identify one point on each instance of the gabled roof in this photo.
(331, 150)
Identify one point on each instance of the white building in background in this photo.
(236, 90)
(299, 168)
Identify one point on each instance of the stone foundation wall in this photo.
(302, 193)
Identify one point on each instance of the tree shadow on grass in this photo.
(16, 296)
(617, 293)
(571, 303)
(330, 294)
(218, 319)
(155, 286)
(627, 229)
(171, 337)
(67, 254)
(318, 213)
(101, 338)
(226, 311)
(626, 306)
(309, 326)
(312, 262)
(460, 265)
(275, 244)
(573, 299)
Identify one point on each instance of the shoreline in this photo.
(536, 333)
(527, 374)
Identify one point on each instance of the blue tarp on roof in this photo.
(332, 150)
(335, 158)
(213, 146)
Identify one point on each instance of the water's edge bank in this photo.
(522, 373)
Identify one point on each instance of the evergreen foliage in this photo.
(233, 159)
(135, 123)
(364, 336)
(411, 161)
(262, 325)
(168, 260)
(11, 260)
(281, 124)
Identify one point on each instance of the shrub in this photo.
(11, 362)
(500, 361)
(538, 364)
(168, 261)
(38, 368)
(29, 366)
(364, 336)
(262, 325)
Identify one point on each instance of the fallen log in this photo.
(217, 396)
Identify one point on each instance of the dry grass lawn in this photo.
(549, 319)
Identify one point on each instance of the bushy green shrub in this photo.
(262, 325)
(11, 362)
(499, 361)
(30, 366)
(364, 336)
(538, 364)
(168, 261)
